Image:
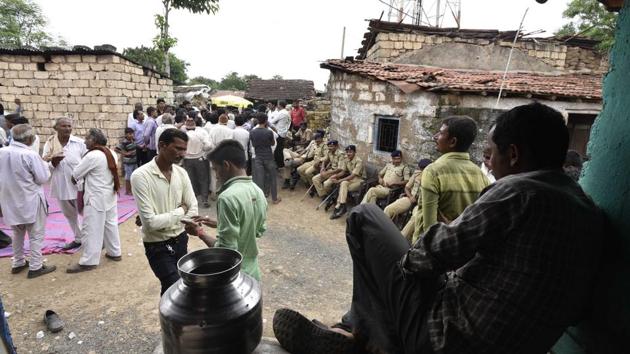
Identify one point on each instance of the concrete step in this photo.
(267, 346)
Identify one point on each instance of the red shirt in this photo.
(297, 116)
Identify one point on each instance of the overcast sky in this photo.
(266, 37)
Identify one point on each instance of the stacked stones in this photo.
(97, 91)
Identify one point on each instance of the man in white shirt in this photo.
(241, 134)
(166, 123)
(100, 214)
(218, 133)
(63, 152)
(281, 122)
(131, 116)
(13, 120)
(164, 196)
(195, 162)
(22, 176)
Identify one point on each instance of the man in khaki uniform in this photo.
(412, 192)
(294, 159)
(331, 165)
(349, 180)
(393, 175)
(308, 169)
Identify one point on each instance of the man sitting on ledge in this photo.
(507, 276)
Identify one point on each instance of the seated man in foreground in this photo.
(507, 276)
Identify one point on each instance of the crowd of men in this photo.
(448, 257)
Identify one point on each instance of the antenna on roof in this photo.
(433, 13)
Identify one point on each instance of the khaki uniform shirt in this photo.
(395, 174)
(334, 159)
(354, 167)
(415, 184)
(320, 153)
(304, 135)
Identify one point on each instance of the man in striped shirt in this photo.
(452, 182)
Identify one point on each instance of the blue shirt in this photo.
(138, 133)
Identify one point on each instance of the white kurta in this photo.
(22, 174)
(61, 184)
(100, 218)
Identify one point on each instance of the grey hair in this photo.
(58, 120)
(21, 132)
(98, 136)
(167, 118)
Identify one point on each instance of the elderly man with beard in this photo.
(99, 174)
(63, 152)
(165, 196)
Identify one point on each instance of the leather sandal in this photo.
(52, 321)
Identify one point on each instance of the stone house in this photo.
(381, 107)
(407, 78)
(96, 87)
(478, 49)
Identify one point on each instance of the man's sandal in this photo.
(298, 335)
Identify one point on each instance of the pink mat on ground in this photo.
(58, 231)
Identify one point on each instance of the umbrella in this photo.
(230, 100)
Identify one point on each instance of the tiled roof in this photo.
(273, 90)
(105, 49)
(413, 77)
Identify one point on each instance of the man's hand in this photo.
(205, 220)
(412, 199)
(55, 160)
(334, 180)
(183, 206)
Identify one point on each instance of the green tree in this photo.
(232, 81)
(163, 41)
(200, 80)
(154, 58)
(277, 77)
(22, 24)
(590, 19)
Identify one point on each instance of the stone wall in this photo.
(318, 113)
(96, 91)
(390, 46)
(357, 101)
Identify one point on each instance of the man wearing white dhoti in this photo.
(63, 152)
(100, 214)
(22, 174)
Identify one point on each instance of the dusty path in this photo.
(113, 309)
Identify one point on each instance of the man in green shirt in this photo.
(241, 207)
(452, 182)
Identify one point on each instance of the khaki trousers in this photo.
(348, 186)
(375, 193)
(307, 171)
(398, 207)
(409, 228)
(323, 185)
(291, 160)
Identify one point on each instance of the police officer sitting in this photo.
(393, 175)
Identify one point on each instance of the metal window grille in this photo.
(387, 134)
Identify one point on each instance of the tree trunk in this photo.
(167, 62)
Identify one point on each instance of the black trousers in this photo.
(389, 311)
(278, 155)
(163, 257)
(141, 156)
(199, 173)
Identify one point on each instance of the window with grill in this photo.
(387, 133)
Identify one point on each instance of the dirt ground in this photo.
(114, 309)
